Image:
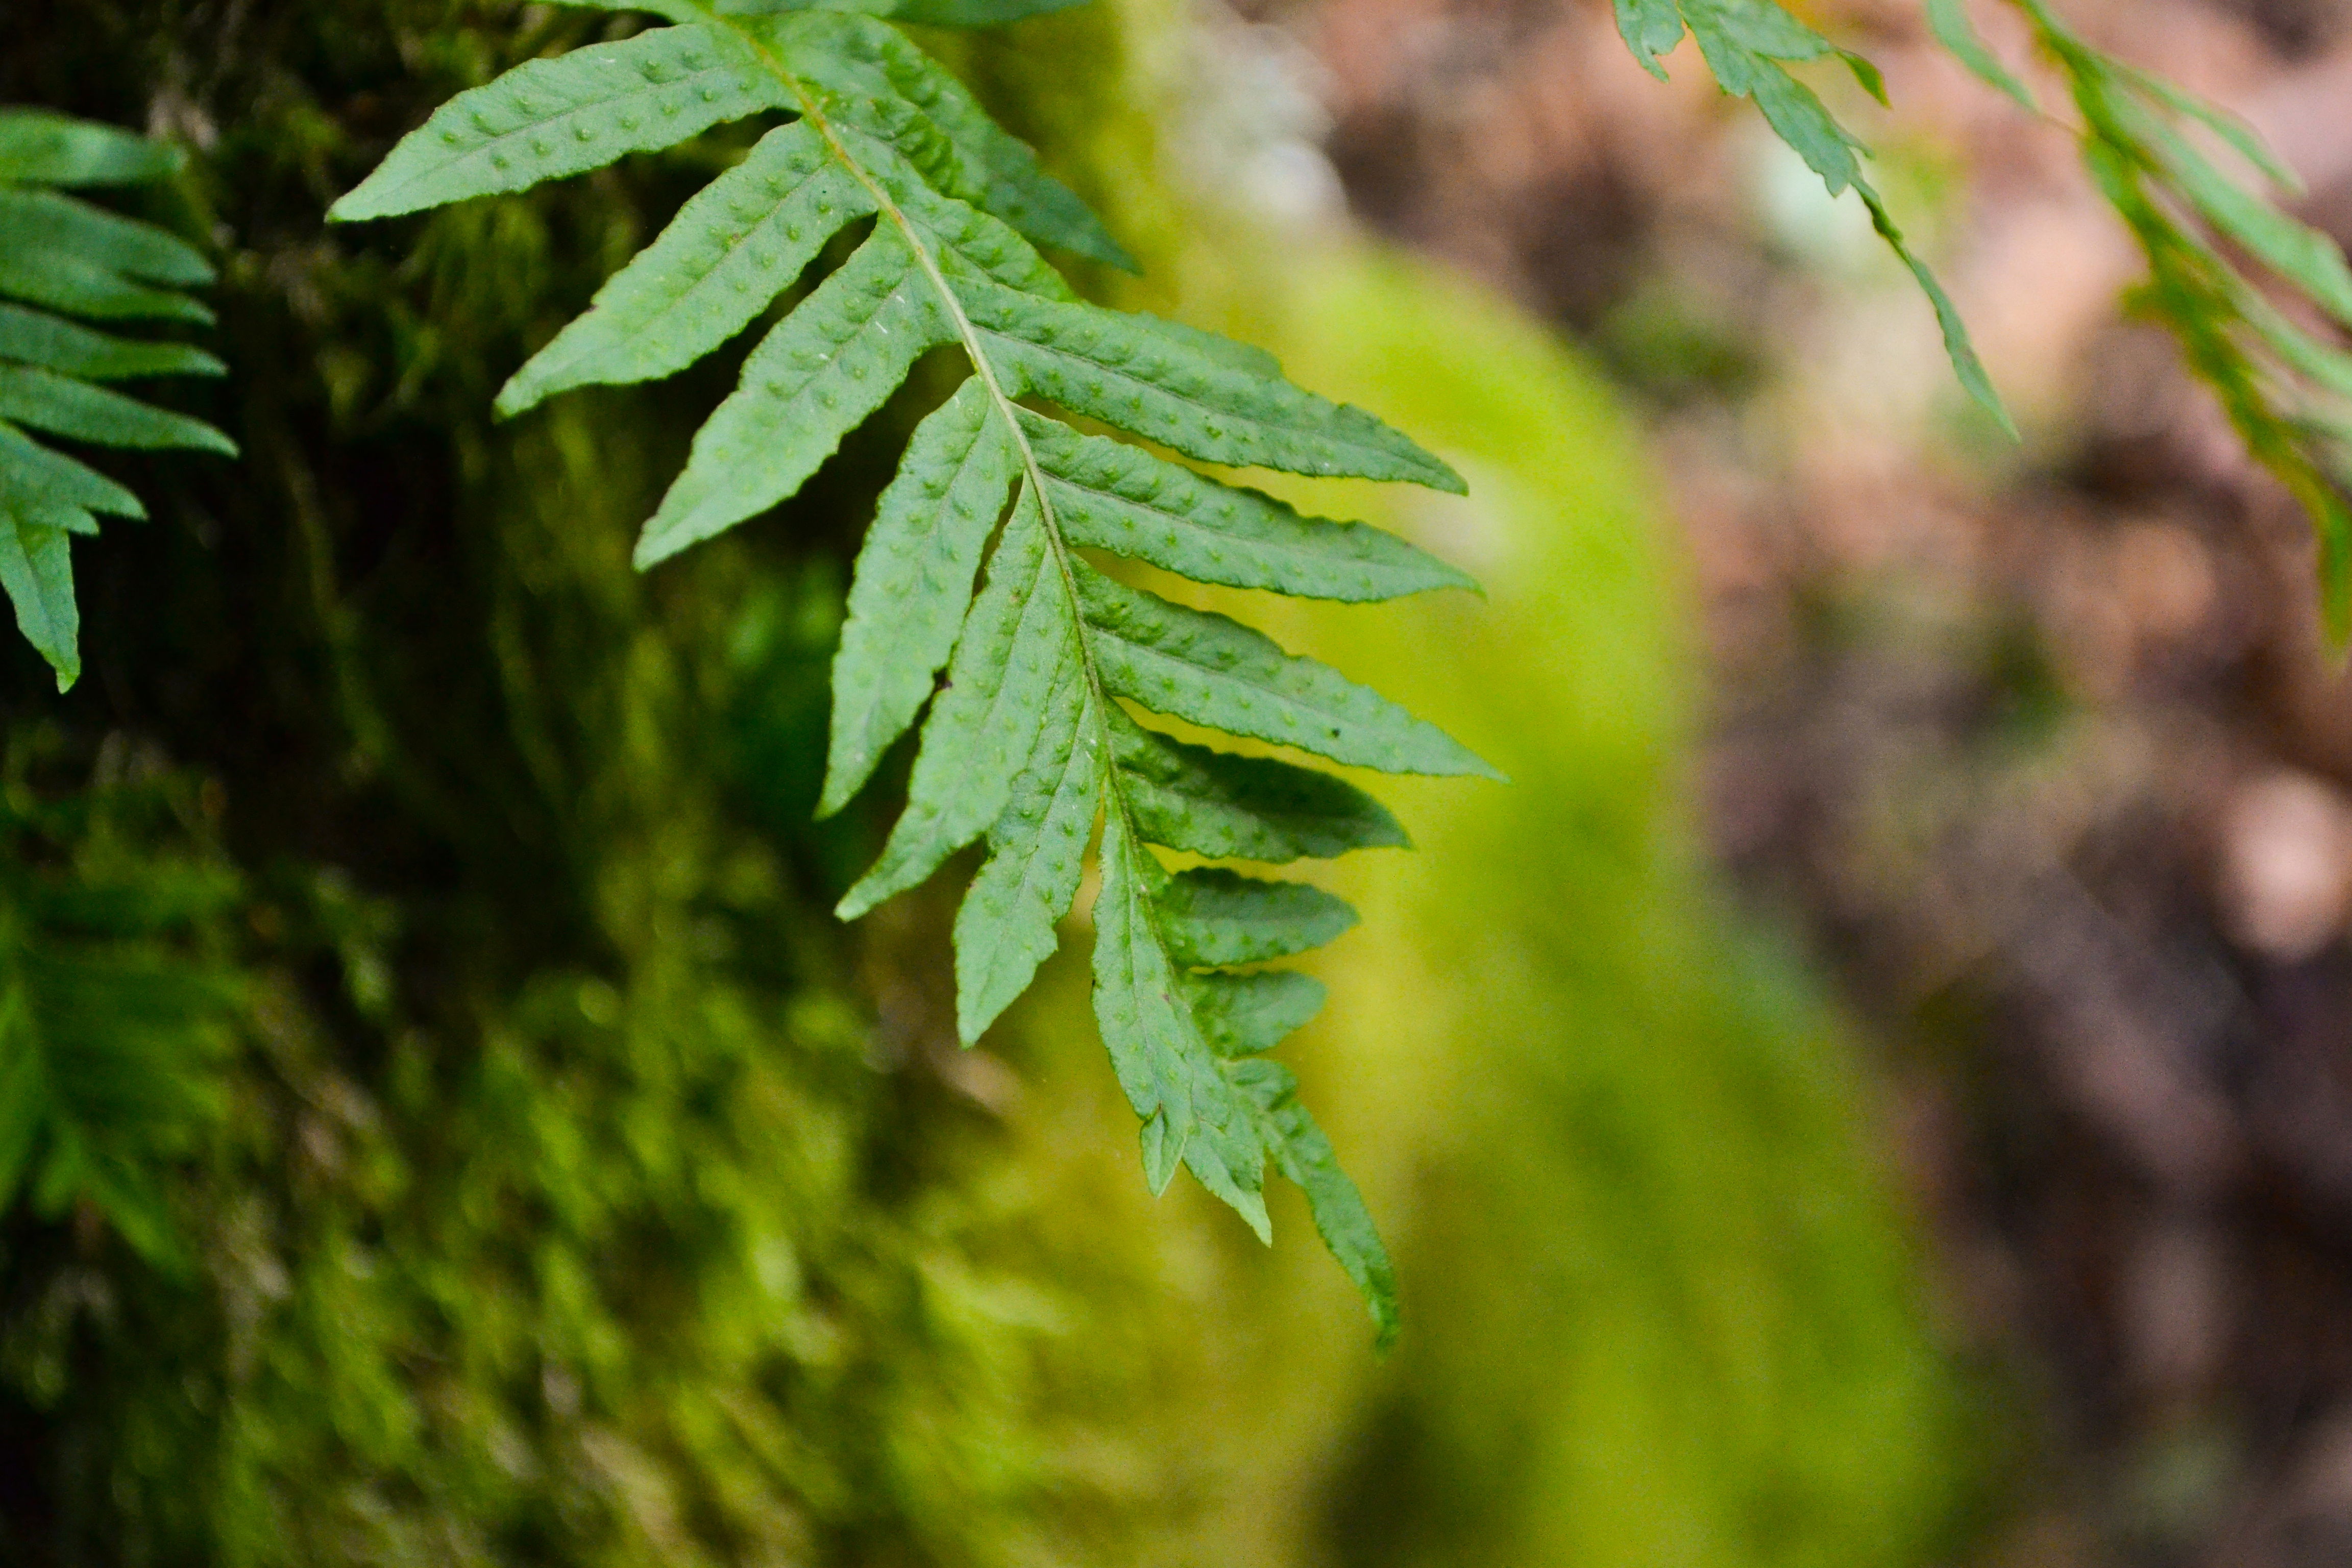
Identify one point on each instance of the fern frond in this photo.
(60, 254)
(973, 565)
(2287, 388)
(1748, 44)
(109, 1030)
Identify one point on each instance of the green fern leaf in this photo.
(62, 254)
(914, 581)
(48, 342)
(1239, 356)
(1650, 28)
(1217, 673)
(547, 119)
(2301, 255)
(2242, 138)
(1027, 744)
(1121, 498)
(924, 13)
(1093, 363)
(62, 405)
(2327, 366)
(46, 220)
(1006, 928)
(1304, 1157)
(1212, 917)
(81, 286)
(1008, 659)
(32, 474)
(864, 75)
(107, 1031)
(37, 148)
(1207, 802)
(38, 572)
(2283, 390)
(1193, 1110)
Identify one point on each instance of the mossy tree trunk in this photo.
(564, 1204)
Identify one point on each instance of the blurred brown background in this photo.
(2035, 741)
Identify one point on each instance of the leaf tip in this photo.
(1114, 254)
(653, 549)
(1980, 391)
(1469, 763)
(841, 787)
(1871, 79)
(1454, 577)
(1162, 1151)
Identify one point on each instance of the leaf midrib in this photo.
(1098, 704)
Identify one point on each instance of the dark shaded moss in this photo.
(567, 1204)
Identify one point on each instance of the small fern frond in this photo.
(2285, 384)
(1748, 44)
(2287, 388)
(1031, 744)
(61, 257)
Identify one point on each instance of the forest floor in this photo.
(2036, 743)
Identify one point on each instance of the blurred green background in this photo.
(531, 1172)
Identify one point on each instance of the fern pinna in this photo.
(61, 257)
(973, 562)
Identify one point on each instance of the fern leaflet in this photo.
(61, 257)
(972, 565)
